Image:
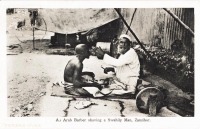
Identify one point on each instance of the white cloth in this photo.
(92, 90)
(125, 36)
(127, 67)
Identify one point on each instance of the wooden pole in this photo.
(132, 19)
(134, 34)
(179, 21)
(33, 37)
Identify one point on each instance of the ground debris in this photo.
(26, 109)
(29, 107)
(83, 104)
(14, 49)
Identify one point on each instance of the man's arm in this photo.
(77, 82)
(127, 58)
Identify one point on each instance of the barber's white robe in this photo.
(127, 68)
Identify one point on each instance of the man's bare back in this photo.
(73, 70)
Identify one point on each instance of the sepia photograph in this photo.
(100, 62)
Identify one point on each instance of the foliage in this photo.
(177, 67)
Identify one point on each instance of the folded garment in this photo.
(70, 88)
(62, 89)
(93, 90)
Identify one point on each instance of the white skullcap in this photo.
(125, 36)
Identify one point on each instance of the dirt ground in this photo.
(28, 70)
(28, 74)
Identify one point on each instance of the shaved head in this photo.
(82, 50)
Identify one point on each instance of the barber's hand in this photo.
(104, 82)
(99, 86)
(109, 69)
(99, 53)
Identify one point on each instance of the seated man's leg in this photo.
(120, 88)
(115, 84)
(78, 92)
(132, 83)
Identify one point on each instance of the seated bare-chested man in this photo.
(73, 73)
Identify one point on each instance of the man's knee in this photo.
(132, 89)
(78, 92)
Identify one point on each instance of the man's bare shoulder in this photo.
(76, 63)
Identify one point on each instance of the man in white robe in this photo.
(127, 66)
